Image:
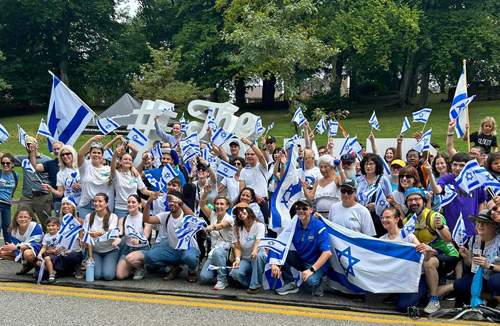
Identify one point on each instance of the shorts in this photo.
(127, 250)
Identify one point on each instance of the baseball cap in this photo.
(398, 162)
(30, 140)
(351, 183)
(348, 158)
(271, 138)
(235, 143)
(304, 201)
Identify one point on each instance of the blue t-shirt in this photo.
(312, 241)
(7, 185)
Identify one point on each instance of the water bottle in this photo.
(475, 253)
(89, 273)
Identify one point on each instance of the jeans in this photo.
(406, 300)
(121, 212)
(5, 217)
(57, 207)
(105, 264)
(219, 258)
(249, 274)
(83, 211)
(462, 286)
(293, 260)
(162, 255)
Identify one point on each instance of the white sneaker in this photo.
(139, 274)
(432, 306)
(220, 285)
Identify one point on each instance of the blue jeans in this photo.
(121, 212)
(5, 216)
(57, 207)
(249, 274)
(105, 264)
(293, 260)
(406, 300)
(83, 211)
(162, 255)
(219, 258)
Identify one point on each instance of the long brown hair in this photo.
(408, 170)
(239, 223)
(105, 219)
(13, 224)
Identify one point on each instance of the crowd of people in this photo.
(118, 195)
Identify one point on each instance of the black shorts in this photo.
(446, 264)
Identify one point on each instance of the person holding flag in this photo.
(268, 147)
(476, 152)
(312, 251)
(233, 184)
(194, 191)
(408, 178)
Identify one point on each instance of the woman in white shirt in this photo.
(105, 252)
(221, 233)
(233, 184)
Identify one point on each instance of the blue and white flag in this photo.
(87, 238)
(210, 113)
(111, 234)
(27, 166)
(165, 110)
(346, 149)
(226, 170)
(108, 155)
(424, 143)
(107, 125)
(168, 173)
(298, 117)
(271, 126)
(190, 225)
(292, 140)
(221, 136)
(156, 151)
(374, 121)
(365, 197)
(320, 126)
(406, 126)
(387, 169)
(22, 135)
(182, 121)
(185, 127)
(68, 115)
(409, 226)
(33, 236)
(188, 153)
(259, 129)
(137, 137)
(152, 180)
(458, 106)
(381, 202)
(191, 141)
(216, 268)
(69, 231)
(449, 195)
(131, 231)
(333, 127)
(43, 130)
(213, 125)
(211, 159)
(422, 115)
(4, 135)
(459, 234)
(467, 179)
(487, 180)
(355, 146)
(288, 191)
(41, 271)
(273, 244)
(361, 263)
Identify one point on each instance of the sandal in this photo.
(172, 274)
(26, 269)
(192, 277)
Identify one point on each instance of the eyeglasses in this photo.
(479, 222)
(6, 163)
(66, 154)
(386, 217)
(269, 142)
(249, 154)
(494, 208)
(406, 176)
(301, 208)
(347, 191)
(306, 158)
(370, 163)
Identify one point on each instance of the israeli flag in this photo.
(182, 121)
(449, 195)
(292, 140)
(210, 114)
(4, 135)
(259, 129)
(191, 141)
(111, 234)
(152, 180)
(320, 126)
(374, 121)
(27, 166)
(458, 106)
(406, 126)
(69, 231)
(360, 263)
(460, 232)
(131, 231)
(298, 117)
(156, 151)
(107, 125)
(185, 128)
(68, 115)
(467, 179)
(137, 137)
(387, 169)
(22, 135)
(424, 143)
(165, 110)
(213, 125)
(381, 202)
(271, 126)
(409, 226)
(288, 191)
(221, 136)
(355, 146)
(422, 115)
(188, 153)
(212, 160)
(333, 127)
(274, 245)
(487, 180)
(168, 173)
(108, 155)
(226, 170)
(346, 149)
(365, 197)
(189, 227)
(216, 268)
(44, 130)
(87, 238)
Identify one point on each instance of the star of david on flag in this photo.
(168, 173)
(191, 141)
(409, 226)
(226, 170)
(459, 104)
(460, 232)
(185, 128)
(131, 231)
(298, 117)
(374, 121)
(381, 202)
(467, 179)
(320, 126)
(221, 136)
(422, 115)
(107, 125)
(137, 137)
(273, 245)
(69, 231)
(4, 135)
(423, 143)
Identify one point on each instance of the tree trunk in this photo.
(338, 66)
(354, 88)
(408, 77)
(214, 96)
(414, 84)
(424, 86)
(63, 65)
(240, 92)
(442, 83)
(268, 90)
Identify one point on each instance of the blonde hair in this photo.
(490, 120)
(74, 162)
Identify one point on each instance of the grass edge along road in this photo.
(224, 305)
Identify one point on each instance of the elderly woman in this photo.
(325, 191)
(26, 240)
(372, 176)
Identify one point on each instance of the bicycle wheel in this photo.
(446, 313)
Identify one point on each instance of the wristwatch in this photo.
(442, 227)
(492, 267)
(18, 247)
(312, 269)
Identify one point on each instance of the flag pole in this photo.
(424, 125)
(467, 107)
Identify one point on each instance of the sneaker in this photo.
(52, 279)
(432, 306)
(79, 273)
(220, 286)
(254, 291)
(318, 291)
(288, 288)
(451, 296)
(139, 274)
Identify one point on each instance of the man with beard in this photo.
(431, 229)
(348, 165)
(313, 250)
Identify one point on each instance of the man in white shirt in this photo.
(349, 213)
(311, 172)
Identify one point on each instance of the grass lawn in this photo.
(390, 120)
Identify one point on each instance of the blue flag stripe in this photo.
(74, 124)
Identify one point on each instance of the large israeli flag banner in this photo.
(68, 115)
(361, 264)
(458, 106)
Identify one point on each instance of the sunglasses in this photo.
(238, 164)
(6, 163)
(269, 142)
(494, 208)
(300, 208)
(201, 170)
(65, 154)
(347, 191)
(406, 176)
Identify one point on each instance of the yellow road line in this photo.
(325, 314)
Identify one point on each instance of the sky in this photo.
(132, 4)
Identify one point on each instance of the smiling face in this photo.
(250, 157)
(53, 227)
(66, 208)
(389, 219)
(485, 227)
(457, 167)
(441, 165)
(395, 169)
(303, 211)
(242, 214)
(7, 164)
(166, 159)
(126, 161)
(234, 149)
(389, 155)
(96, 156)
(55, 148)
(415, 203)
(67, 157)
(221, 206)
(23, 219)
(325, 169)
(132, 204)
(246, 196)
(412, 158)
(100, 204)
(406, 181)
(487, 128)
(370, 167)
(495, 214)
(176, 130)
(238, 164)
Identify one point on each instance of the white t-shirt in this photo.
(356, 218)
(173, 225)
(162, 231)
(67, 178)
(409, 238)
(255, 178)
(125, 184)
(312, 175)
(221, 238)
(51, 241)
(136, 223)
(101, 246)
(233, 188)
(247, 239)
(211, 195)
(94, 180)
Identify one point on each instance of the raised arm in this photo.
(450, 147)
(85, 148)
(33, 150)
(371, 137)
(146, 217)
(261, 157)
(436, 189)
(399, 147)
(112, 173)
(307, 140)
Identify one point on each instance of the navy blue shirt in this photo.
(52, 167)
(312, 241)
